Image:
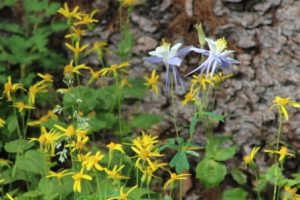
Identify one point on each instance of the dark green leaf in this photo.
(239, 176)
(32, 161)
(180, 162)
(235, 194)
(145, 120)
(18, 146)
(210, 172)
(223, 154)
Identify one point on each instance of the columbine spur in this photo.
(171, 57)
(217, 57)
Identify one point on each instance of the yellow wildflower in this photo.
(87, 19)
(43, 119)
(283, 152)
(6, 163)
(130, 2)
(148, 171)
(47, 140)
(190, 96)
(76, 33)
(48, 78)
(219, 78)
(174, 177)
(10, 197)
(123, 195)
(34, 90)
(77, 49)
(113, 68)
(248, 159)
(79, 144)
(21, 106)
(145, 140)
(69, 131)
(2, 122)
(83, 157)
(59, 175)
(290, 193)
(77, 180)
(65, 11)
(10, 88)
(113, 146)
(282, 103)
(114, 173)
(152, 81)
(145, 154)
(70, 69)
(92, 161)
(200, 81)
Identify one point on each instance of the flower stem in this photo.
(277, 149)
(173, 107)
(98, 185)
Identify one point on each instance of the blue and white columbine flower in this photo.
(217, 57)
(171, 57)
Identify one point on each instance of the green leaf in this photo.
(193, 124)
(126, 43)
(136, 89)
(32, 161)
(275, 173)
(213, 145)
(10, 27)
(235, 194)
(211, 173)
(52, 8)
(48, 188)
(239, 176)
(146, 120)
(214, 116)
(11, 124)
(180, 162)
(18, 146)
(223, 154)
(4, 3)
(84, 97)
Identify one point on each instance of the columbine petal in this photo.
(153, 59)
(175, 61)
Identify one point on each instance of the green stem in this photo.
(180, 189)
(18, 126)
(173, 107)
(277, 149)
(98, 184)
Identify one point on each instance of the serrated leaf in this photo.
(239, 176)
(180, 162)
(214, 116)
(145, 120)
(223, 154)
(235, 194)
(211, 173)
(32, 161)
(193, 124)
(275, 173)
(18, 146)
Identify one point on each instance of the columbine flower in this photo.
(114, 173)
(123, 195)
(10, 88)
(77, 180)
(283, 152)
(173, 178)
(113, 68)
(152, 81)
(65, 11)
(171, 57)
(21, 106)
(282, 103)
(248, 159)
(2, 122)
(217, 57)
(290, 193)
